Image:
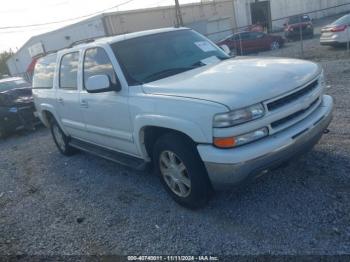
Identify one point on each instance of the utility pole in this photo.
(179, 20)
(235, 28)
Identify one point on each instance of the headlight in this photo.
(230, 142)
(239, 116)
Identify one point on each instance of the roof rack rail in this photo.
(85, 41)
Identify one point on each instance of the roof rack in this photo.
(85, 41)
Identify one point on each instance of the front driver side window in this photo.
(97, 62)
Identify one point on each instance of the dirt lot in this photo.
(52, 205)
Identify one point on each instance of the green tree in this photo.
(4, 56)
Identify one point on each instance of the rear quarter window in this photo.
(44, 72)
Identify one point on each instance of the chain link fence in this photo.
(310, 35)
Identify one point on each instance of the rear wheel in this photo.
(61, 140)
(181, 170)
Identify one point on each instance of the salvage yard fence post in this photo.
(348, 40)
(301, 37)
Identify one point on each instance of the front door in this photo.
(106, 115)
(67, 96)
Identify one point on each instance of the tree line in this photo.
(4, 56)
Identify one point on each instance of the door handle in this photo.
(60, 100)
(84, 104)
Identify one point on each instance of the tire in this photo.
(181, 170)
(61, 140)
(275, 45)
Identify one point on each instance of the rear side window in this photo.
(97, 62)
(44, 72)
(69, 71)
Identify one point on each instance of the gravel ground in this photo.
(53, 205)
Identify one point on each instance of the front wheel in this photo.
(61, 140)
(182, 171)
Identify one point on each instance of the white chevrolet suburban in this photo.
(171, 97)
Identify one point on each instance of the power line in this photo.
(66, 20)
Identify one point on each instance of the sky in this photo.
(28, 12)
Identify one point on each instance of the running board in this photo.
(117, 157)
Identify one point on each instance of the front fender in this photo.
(189, 128)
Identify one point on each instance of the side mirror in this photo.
(100, 84)
(226, 49)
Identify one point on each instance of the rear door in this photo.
(67, 95)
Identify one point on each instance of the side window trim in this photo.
(59, 72)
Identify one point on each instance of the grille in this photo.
(291, 117)
(291, 98)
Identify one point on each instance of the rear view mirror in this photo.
(100, 84)
(226, 49)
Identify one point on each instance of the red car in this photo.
(250, 42)
(295, 23)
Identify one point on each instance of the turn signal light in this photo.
(226, 142)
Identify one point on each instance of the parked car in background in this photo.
(250, 42)
(336, 33)
(293, 25)
(173, 98)
(16, 106)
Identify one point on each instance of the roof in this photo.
(118, 38)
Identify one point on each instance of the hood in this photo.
(16, 96)
(238, 82)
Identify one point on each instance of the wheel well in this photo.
(151, 134)
(47, 117)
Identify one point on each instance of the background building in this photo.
(274, 12)
(215, 19)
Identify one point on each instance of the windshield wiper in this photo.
(171, 71)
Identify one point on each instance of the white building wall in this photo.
(55, 40)
(202, 16)
(285, 8)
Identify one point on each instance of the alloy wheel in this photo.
(59, 137)
(175, 173)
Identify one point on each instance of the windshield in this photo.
(342, 21)
(8, 85)
(149, 58)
